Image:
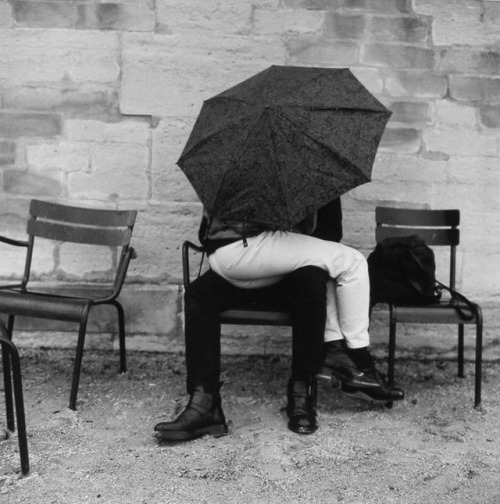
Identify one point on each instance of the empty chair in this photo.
(63, 223)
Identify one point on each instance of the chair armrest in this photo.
(121, 272)
(16, 243)
(186, 246)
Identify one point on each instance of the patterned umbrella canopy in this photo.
(282, 144)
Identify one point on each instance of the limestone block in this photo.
(152, 310)
(460, 142)
(218, 16)
(417, 84)
(158, 237)
(470, 60)
(454, 114)
(480, 171)
(85, 262)
(7, 153)
(266, 22)
(370, 78)
(168, 181)
(117, 173)
(82, 99)
(18, 125)
(397, 193)
(32, 55)
(407, 140)
(48, 184)
(471, 88)
(481, 273)
(44, 14)
(125, 131)
(5, 14)
(115, 16)
(64, 156)
(393, 7)
(314, 51)
(411, 112)
(464, 22)
(340, 26)
(314, 4)
(43, 262)
(468, 198)
(397, 56)
(402, 167)
(409, 30)
(171, 75)
(490, 115)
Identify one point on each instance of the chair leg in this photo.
(7, 380)
(78, 358)
(9, 350)
(392, 349)
(460, 350)
(9, 405)
(479, 357)
(121, 336)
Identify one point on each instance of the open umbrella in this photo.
(283, 143)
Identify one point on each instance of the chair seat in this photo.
(255, 317)
(42, 305)
(439, 313)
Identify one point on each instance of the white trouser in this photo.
(269, 256)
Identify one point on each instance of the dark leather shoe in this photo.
(301, 406)
(339, 364)
(202, 415)
(384, 392)
(357, 373)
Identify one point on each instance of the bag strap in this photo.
(456, 297)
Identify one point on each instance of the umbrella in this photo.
(283, 143)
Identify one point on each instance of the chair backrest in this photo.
(80, 225)
(435, 227)
(89, 226)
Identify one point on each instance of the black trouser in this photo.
(302, 293)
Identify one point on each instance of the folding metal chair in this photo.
(436, 228)
(63, 223)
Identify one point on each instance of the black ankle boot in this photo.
(202, 415)
(355, 369)
(301, 406)
(383, 392)
(339, 364)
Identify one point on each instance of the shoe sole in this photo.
(213, 430)
(360, 394)
(335, 377)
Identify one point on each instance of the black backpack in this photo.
(402, 270)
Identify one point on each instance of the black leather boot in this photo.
(301, 406)
(356, 370)
(202, 415)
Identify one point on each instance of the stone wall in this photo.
(97, 101)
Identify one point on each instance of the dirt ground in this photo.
(431, 448)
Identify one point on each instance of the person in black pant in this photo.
(302, 293)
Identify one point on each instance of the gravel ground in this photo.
(433, 447)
